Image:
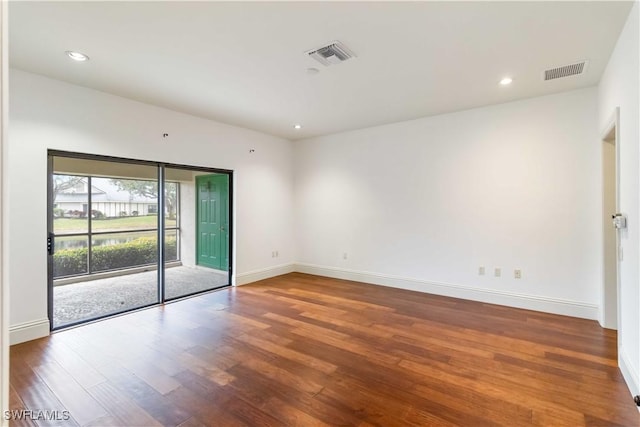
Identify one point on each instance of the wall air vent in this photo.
(333, 53)
(565, 71)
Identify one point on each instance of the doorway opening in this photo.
(123, 235)
(611, 239)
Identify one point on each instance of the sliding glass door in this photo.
(108, 220)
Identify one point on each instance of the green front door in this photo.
(213, 222)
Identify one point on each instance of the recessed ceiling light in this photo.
(77, 56)
(297, 126)
(506, 81)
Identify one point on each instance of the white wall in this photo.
(422, 204)
(188, 222)
(619, 87)
(4, 282)
(49, 114)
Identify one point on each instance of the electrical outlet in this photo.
(517, 273)
(481, 271)
(497, 272)
(277, 254)
(344, 255)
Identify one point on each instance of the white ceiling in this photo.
(244, 63)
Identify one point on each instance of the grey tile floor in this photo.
(94, 298)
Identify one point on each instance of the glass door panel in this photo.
(196, 212)
(105, 227)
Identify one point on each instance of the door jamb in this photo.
(49, 235)
(611, 134)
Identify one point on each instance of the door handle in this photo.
(619, 221)
(221, 228)
(50, 245)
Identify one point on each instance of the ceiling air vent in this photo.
(334, 53)
(565, 71)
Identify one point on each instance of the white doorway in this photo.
(611, 241)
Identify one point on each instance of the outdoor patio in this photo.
(95, 298)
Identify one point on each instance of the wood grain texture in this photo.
(302, 350)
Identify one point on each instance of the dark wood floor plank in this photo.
(81, 371)
(290, 415)
(283, 376)
(494, 346)
(388, 406)
(487, 408)
(206, 369)
(351, 304)
(192, 422)
(142, 397)
(123, 409)
(350, 327)
(206, 410)
(288, 353)
(16, 404)
(302, 350)
(259, 388)
(81, 404)
(475, 382)
(108, 421)
(151, 374)
(33, 393)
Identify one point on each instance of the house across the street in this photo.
(107, 200)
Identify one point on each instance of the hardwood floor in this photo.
(306, 350)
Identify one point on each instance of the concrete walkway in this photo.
(94, 298)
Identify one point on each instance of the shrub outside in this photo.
(138, 252)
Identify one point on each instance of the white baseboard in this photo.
(628, 372)
(264, 273)
(529, 302)
(28, 331)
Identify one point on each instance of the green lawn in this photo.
(79, 225)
